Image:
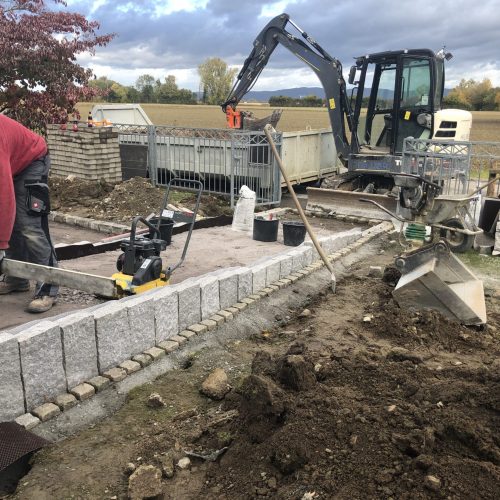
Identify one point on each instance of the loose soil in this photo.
(120, 202)
(324, 405)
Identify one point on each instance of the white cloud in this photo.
(165, 8)
(163, 37)
(273, 9)
(96, 4)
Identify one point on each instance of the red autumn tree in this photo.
(40, 80)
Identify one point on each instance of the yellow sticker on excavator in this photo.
(407, 115)
(331, 103)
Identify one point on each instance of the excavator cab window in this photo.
(416, 104)
(376, 128)
(399, 99)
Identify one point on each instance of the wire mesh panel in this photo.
(459, 167)
(446, 164)
(194, 154)
(253, 165)
(485, 165)
(223, 160)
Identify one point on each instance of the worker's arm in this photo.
(7, 201)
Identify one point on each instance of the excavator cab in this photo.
(396, 96)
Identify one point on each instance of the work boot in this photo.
(8, 287)
(41, 304)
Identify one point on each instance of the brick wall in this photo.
(90, 153)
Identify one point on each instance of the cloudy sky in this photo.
(163, 37)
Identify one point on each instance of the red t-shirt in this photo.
(19, 147)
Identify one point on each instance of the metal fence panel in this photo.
(223, 160)
(460, 167)
(253, 165)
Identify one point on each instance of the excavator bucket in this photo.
(433, 278)
(247, 121)
(250, 122)
(339, 202)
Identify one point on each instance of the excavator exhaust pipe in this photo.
(433, 278)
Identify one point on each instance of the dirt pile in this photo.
(360, 426)
(119, 203)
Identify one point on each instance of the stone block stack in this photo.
(89, 153)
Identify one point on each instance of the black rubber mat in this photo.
(15, 442)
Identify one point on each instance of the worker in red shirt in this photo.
(24, 208)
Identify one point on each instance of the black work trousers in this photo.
(30, 240)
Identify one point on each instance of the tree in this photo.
(216, 79)
(169, 93)
(133, 95)
(40, 81)
(476, 96)
(145, 84)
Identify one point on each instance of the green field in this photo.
(485, 124)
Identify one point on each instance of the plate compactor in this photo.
(140, 266)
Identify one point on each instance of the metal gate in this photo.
(223, 160)
(253, 165)
(460, 167)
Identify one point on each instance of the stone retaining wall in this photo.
(47, 365)
(90, 153)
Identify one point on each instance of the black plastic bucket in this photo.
(166, 227)
(265, 230)
(294, 233)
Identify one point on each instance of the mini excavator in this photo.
(396, 95)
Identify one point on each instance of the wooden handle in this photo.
(268, 130)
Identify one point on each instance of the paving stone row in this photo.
(93, 224)
(63, 361)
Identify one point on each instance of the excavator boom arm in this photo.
(327, 68)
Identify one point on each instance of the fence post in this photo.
(152, 155)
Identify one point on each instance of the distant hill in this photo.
(264, 95)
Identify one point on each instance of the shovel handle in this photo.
(268, 129)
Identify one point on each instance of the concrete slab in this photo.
(285, 265)
(228, 289)
(166, 313)
(259, 274)
(141, 318)
(80, 349)
(11, 388)
(189, 303)
(273, 271)
(244, 282)
(210, 301)
(42, 366)
(113, 335)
